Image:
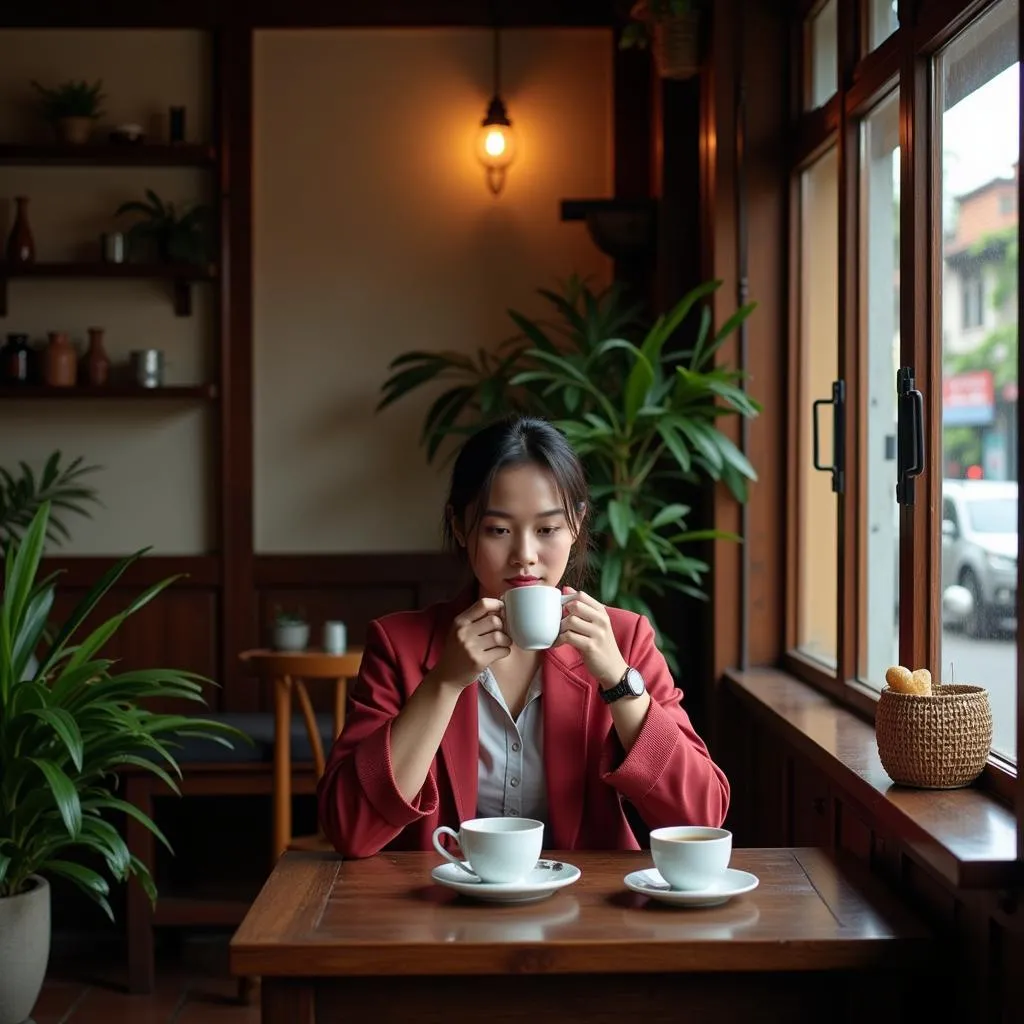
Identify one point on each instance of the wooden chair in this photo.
(211, 770)
(287, 672)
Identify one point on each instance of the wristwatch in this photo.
(630, 685)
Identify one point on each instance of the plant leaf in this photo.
(64, 793)
(65, 726)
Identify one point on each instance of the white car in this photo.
(979, 549)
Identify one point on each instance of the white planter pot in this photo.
(24, 950)
(291, 636)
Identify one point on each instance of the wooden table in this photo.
(377, 940)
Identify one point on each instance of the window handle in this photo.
(910, 444)
(838, 403)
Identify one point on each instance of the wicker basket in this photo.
(940, 741)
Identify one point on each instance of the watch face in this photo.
(635, 682)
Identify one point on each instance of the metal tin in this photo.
(113, 247)
(148, 367)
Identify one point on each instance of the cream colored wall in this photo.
(375, 234)
(155, 480)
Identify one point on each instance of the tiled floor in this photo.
(190, 989)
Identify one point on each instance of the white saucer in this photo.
(547, 877)
(650, 883)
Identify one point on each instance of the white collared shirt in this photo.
(510, 778)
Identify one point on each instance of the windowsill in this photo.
(965, 835)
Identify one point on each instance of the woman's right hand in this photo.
(477, 639)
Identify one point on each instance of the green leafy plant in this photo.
(286, 618)
(67, 728)
(71, 99)
(179, 234)
(648, 12)
(642, 415)
(23, 495)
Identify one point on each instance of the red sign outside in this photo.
(968, 399)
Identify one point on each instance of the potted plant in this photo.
(22, 495)
(178, 235)
(65, 731)
(642, 416)
(672, 28)
(72, 108)
(291, 630)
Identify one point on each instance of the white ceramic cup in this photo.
(533, 615)
(691, 857)
(498, 849)
(335, 637)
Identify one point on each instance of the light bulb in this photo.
(496, 144)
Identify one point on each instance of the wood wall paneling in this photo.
(354, 588)
(234, 99)
(176, 630)
(745, 160)
(811, 817)
(980, 932)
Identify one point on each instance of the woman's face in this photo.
(522, 537)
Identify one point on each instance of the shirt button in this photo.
(516, 746)
(513, 782)
(514, 810)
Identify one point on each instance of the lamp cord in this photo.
(497, 59)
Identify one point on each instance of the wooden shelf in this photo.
(182, 274)
(621, 228)
(95, 268)
(108, 154)
(200, 392)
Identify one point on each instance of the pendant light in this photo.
(496, 141)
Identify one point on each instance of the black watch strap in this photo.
(621, 688)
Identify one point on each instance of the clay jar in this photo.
(96, 364)
(60, 361)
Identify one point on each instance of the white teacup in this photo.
(691, 856)
(533, 615)
(498, 849)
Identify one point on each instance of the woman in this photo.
(449, 720)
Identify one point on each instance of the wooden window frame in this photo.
(903, 61)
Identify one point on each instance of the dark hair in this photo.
(516, 441)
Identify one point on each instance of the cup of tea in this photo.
(691, 857)
(533, 615)
(498, 849)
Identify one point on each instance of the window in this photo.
(978, 101)
(824, 47)
(905, 260)
(879, 317)
(972, 291)
(882, 21)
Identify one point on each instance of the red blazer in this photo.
(668, 775)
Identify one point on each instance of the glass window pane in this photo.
(882, 21)
(819, 364)
(978, 77)
(824, 47)
(880, 317)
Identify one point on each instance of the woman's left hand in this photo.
(586, 626)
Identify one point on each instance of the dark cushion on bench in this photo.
(259, 726)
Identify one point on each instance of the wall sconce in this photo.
(496, 140)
